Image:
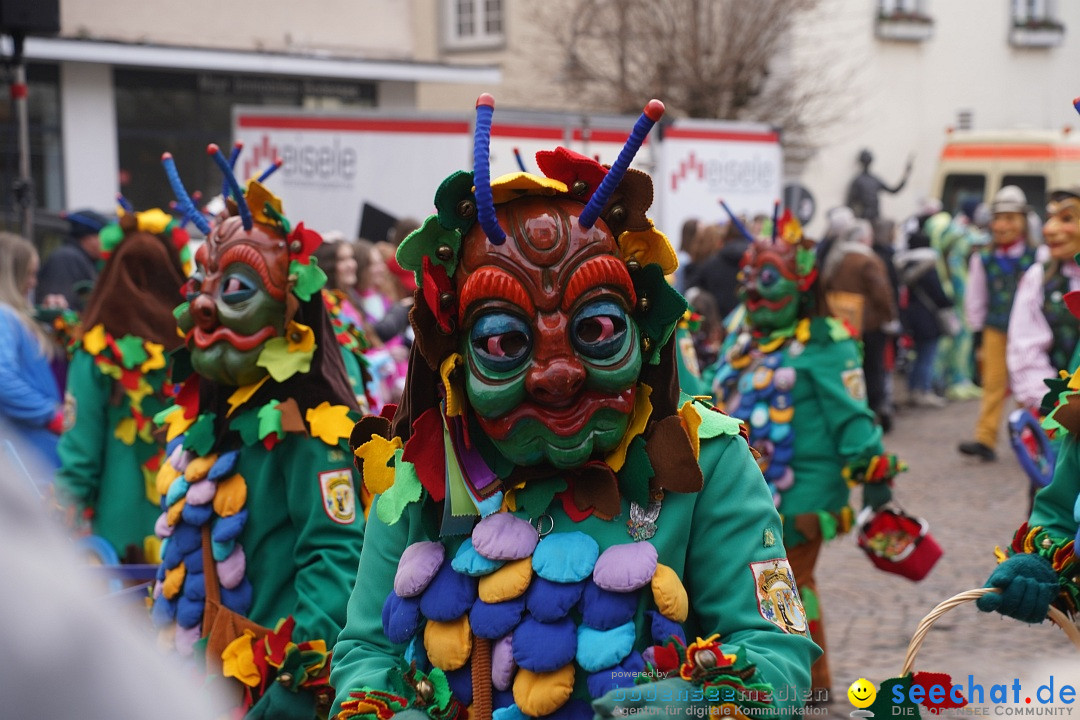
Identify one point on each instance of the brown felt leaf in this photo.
(291, 420)
(597, 486)
(432, 344)
(672, 457)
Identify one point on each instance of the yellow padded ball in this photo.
(448, 644)
(508, 582)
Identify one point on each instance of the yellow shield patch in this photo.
(854, 383)
(778, 597)
(338, 495)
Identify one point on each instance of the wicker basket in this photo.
(1056, 616)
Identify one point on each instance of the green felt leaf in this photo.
(804, 260)
(883, 705)
(713, 423)
(425, 241)
(828, 524)
(537, 495)
(200, 436)
(405, 489)
(247, 424)
(180, 309)
(160, 415)
(282, 364)
(270, 421)
(451, 192)
(442, 687)
(636, 472)
(181, 365)
(309, 278)
(132, 351)
(665, 304)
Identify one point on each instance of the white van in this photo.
(976, 163)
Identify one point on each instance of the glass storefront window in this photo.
(183, 112)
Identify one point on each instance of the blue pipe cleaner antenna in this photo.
(520, 160)
(485, 202)
(124, 203)
(735, 220)
(234, 187)
(234, 155)
(270, 170)
(186, 205)
(653, 112)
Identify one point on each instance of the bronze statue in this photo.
(862, 195)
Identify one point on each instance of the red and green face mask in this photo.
(236, 302)
(773, 277)
(552, 351)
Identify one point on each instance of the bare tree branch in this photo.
(723, 59)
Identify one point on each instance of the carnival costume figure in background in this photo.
(118, 380)
(795, 377)
(556, 523)
(261, 529)
(993, 276)
(1041, 567)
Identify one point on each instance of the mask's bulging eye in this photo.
(193, 286)
(237, 289)
(768, 277)
(598, 330)
(502, 342)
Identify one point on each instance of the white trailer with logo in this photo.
(338, 166)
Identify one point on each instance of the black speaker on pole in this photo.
(30, 17)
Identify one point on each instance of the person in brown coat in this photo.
(858, 290)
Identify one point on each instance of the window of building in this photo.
(184, 112)
(902, 10)
(474, 24)
(46, 168)
(1036, 14)
(961, 187)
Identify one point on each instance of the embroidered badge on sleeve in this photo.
(854, 383)
(339, 498)
(777, 596)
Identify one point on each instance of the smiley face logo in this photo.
(862, 693)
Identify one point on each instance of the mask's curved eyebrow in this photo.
(491, 282)
(604, 270)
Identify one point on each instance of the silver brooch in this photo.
(642, 522)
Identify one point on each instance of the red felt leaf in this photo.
(188, 397)
(270, 441)
(388, 411)
(309, 240)
(568, 167)
(425, 450)
(570, 508)
(666, 658)
(129, 379)
(926, 680)
(276, 642)
(1072, 301)
(436, 282)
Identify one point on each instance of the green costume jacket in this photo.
(285, 522)
(829, 427)
(718, 542)
(108, 456)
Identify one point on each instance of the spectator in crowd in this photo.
(29, 394)
(719, 271)
(853, 270)
(926, 305)
(72, 268)
(117, 383)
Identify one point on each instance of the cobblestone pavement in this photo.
(971, 506)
